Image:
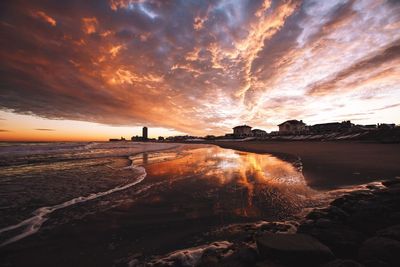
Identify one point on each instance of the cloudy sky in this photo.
(95, 68)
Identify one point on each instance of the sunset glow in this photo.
(92, 70)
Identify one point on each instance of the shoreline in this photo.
(358, 229)
(241, 238)
(331, 165)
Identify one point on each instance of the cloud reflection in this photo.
(246, 184)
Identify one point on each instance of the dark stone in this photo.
(376, 263)
(392, 182)
(323, 223)
(394, 190)
(371, 218)
(392, 232)
(342, 263)
(341, 239)
(299, 249)
(247, 255)
(336, 213)
(210, 258)
(317, 214)
(374, 187)
(395, 217)
(339, 202)
(268, 263)
(380, 249)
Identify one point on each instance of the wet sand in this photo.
(176, 214)
(184, 195)
(331, 165)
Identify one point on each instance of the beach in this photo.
(331, 165)
(148, 204)
(96, 204)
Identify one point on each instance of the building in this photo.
(145, 133)
(331, 127)
(258, 133)
(116, 140)
(386, 125)
(292, 127)
(242, 131)
(229, 135)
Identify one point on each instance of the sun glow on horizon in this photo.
(33, 128)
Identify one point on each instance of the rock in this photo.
(332, 212)
(299, 249)
(394, 190)
(269, 263)
(392, 182)
(371, 218)
(323, 223)
(380, 250)
(209, 258)
(341, 239)
(376, 263)
(247, 255)
(374, 187)
(395, 217)
(392, 232)
(342, 263)
(337, 214)
(317, 214)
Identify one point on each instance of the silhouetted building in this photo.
(292, 127)
(137, 138)
(258, 133)
(242, 131)
(116, 140)
(210, 137)
(331, 127)
(386, 125)
(145, 133)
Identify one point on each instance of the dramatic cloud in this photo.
(200, 66)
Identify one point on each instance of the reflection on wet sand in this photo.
(234, 183)
(188, 192)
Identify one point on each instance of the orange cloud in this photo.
(90, 25)
(44, 17)
(201, 66)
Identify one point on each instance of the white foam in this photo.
(33, 224)
(190, 256)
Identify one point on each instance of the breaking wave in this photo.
(32, 225)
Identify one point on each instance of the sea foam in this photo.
(40, 215)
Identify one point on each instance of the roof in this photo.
(242, 126)
(328, 124)
(257, 130)
(292, 122)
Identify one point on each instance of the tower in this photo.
(145, 136)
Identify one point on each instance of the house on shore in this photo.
(258, 133)
(116, 140)
(331, 127)
(242, 131)
(292, 127)
(386, 126)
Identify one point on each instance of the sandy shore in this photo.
(136, 230)
(330, 165)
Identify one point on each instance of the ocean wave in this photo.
(33, 224)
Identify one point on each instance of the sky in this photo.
(97, 69)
